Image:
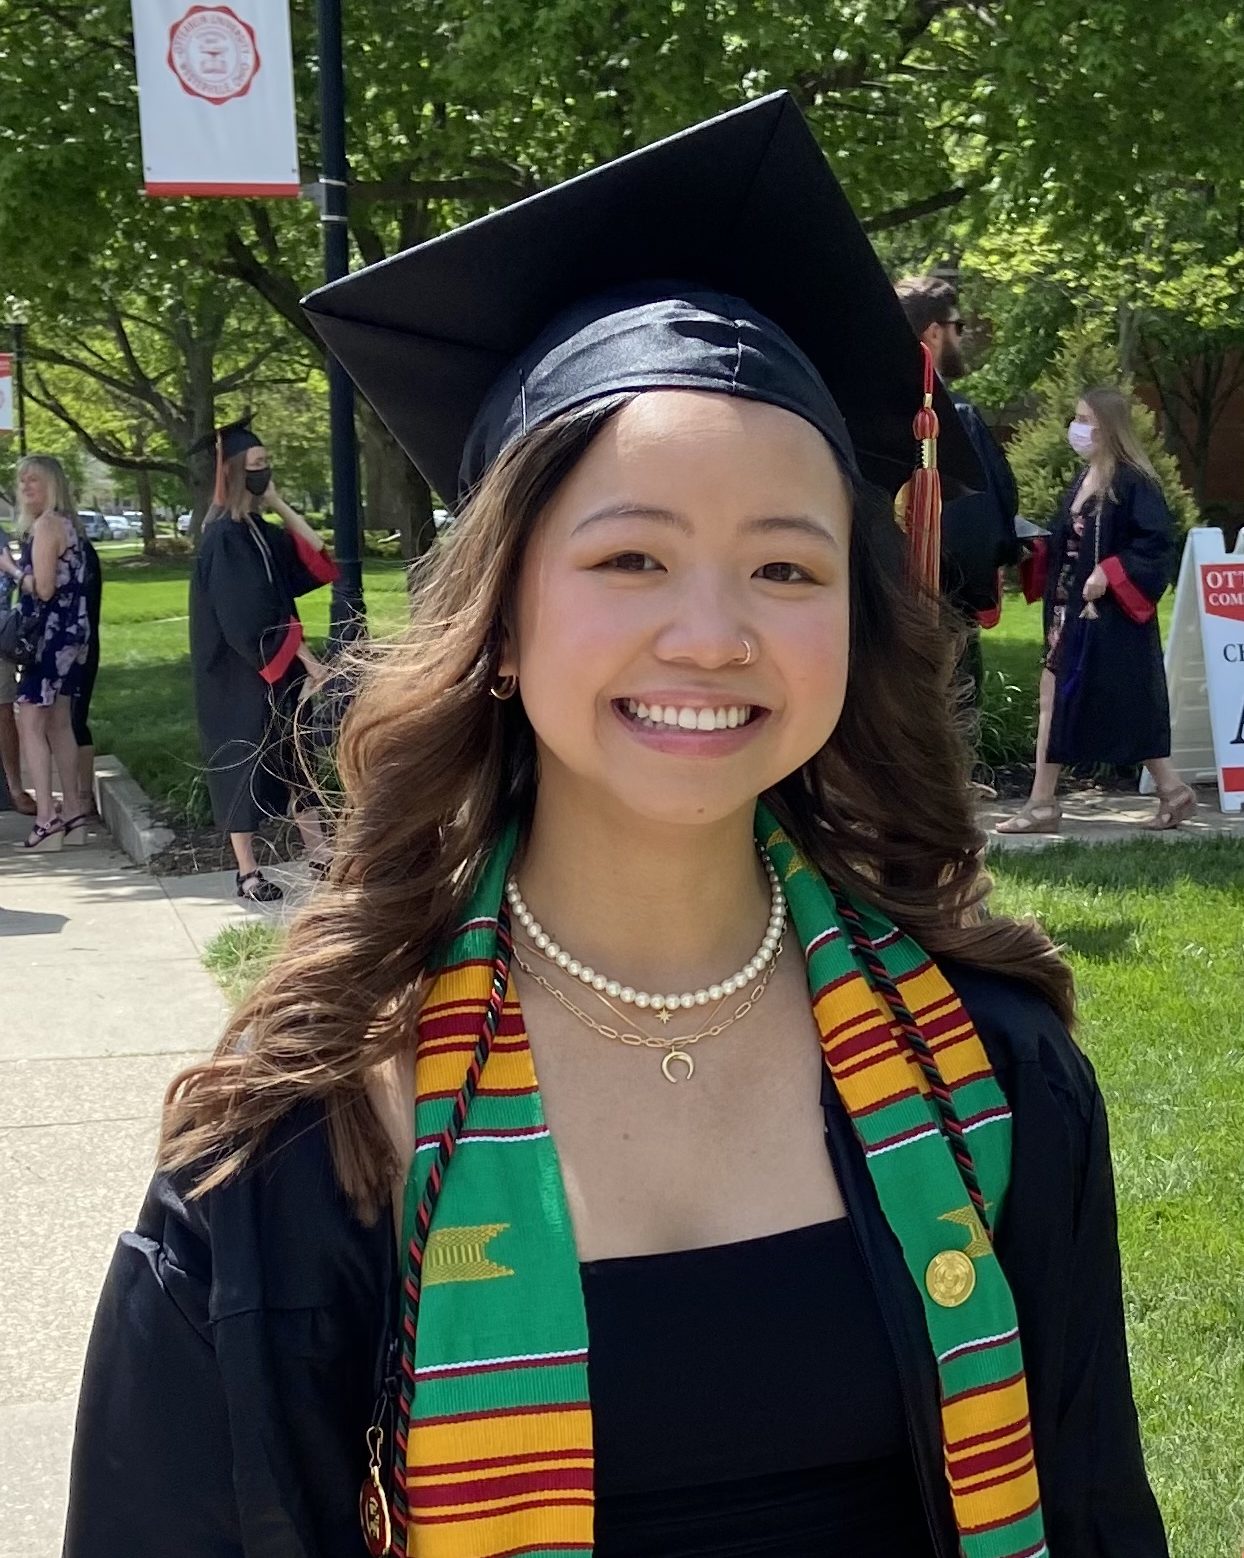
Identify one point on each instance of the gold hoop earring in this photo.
(504, 688)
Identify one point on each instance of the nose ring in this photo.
(747, 657)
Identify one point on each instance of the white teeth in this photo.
(728, 718)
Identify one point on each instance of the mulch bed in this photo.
(198, 849)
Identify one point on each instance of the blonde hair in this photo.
(883, 810)
(60, 493)
(1116, 442)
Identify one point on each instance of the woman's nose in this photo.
(705, 628)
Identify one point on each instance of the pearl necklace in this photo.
(663, 1005)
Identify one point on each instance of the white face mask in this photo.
(1080, 437)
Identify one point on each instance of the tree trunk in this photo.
(1127, 340)
(201, 402)
(142, 480)
(396, 496)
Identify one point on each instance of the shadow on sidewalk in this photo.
(26, 922)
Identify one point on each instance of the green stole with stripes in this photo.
(494, 1437)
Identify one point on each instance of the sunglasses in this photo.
(953, 324)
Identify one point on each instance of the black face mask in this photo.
(258, 481)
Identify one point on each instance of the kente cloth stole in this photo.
(494, 1438)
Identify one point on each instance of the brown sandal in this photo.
(1035, 817)
(1174, 807)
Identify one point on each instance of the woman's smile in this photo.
(686, 727)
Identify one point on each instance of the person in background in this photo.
(1100, 573)
(250, 663)
(10, 752)
(93, 586)
(978, 529)
(50, 575)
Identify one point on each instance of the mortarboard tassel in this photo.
(920, 502)
(218, 492)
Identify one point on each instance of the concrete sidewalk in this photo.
(104, 1000)
(1106, 817)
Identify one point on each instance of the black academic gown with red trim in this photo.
(242, 1339)
(1110, 699)
(244, 641)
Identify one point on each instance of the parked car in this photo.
(118, 526)
(94, 525)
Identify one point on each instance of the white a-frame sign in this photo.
(1205, 667)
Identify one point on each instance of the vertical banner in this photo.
(216, 97)
(7, 423)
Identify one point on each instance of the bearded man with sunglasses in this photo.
(978, 530)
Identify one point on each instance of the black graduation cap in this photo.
(233, 438)
(742, 207)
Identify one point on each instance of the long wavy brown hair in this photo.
(431, 767)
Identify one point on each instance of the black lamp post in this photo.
(347, 615)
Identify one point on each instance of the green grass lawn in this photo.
(1153, 932)
(142, 710)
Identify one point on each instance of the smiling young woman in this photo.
(645, 1145)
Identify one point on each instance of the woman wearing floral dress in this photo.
(51, 571)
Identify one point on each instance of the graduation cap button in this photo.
(950, 1279)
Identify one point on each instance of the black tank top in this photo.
(746, 1402)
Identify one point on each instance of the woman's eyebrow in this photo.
(634, 511)
(801, 524)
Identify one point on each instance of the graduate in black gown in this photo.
(1107, 561)
(666, 479)
(250, 661)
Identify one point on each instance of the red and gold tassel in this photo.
(218, 493)
(920, 501)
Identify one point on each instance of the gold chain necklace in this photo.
(673, 1047)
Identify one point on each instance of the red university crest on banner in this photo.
(213, 53)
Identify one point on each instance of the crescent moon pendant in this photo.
(668, 1061)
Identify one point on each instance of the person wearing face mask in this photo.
(250, 662)
(1105, 564)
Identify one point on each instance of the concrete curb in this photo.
(126, 809)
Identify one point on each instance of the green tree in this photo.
(1173, 299)
(142, 381)
(989, 114)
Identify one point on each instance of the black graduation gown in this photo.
(1110, 699)
(244, 640)
(978, 529)
(241, 1340)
